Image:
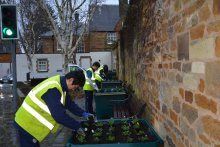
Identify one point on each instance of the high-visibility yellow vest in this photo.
(87, 86)
(97, 74)
(34, 116)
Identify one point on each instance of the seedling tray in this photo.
(151, 138)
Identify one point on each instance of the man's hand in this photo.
(87, 115)
(81, 132)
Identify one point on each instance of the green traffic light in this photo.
(8, 31)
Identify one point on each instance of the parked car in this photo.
(7, 79)
(75, 67)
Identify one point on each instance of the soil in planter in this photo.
(116, 135)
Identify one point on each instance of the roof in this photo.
(104, 18)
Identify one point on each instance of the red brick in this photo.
(197, 32)
(217, 46)
(213, 27)
(204, 13)
(205, 103)
(189, 96)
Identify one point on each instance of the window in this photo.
(58, 47)
(80, 47)
(111, 37)
(42, 65)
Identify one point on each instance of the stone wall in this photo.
(169, 52)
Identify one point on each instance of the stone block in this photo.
(165, 93)
(192, 21)
(186, 67)
(189, 112)
(197, 32)
(164, 109)
(188, 96)
(201, 85)
(213, 27)
(204, 139)
(187, 131)
(177, 65)
(176, 104)
(183, 46)
(216, 7)
(179, 78)
(181, 92)
(204, 13)
(211, 127)
(174, 117)
(212, 79)
(198, 67)
(190, 81)
(217, 46)
(202, 49)
(205, 103)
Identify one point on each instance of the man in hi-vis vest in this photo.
(90, 86)
(101, 75)
(44, 108)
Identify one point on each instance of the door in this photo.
(85, 61)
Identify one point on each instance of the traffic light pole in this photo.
(13, 53)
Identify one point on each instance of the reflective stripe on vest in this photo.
(34, 115)
(97, 74)
(37, 116)
(32, 95)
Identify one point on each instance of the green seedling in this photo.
(140, 133)
(134, 121)
(143, 138)
(111, 138)
(125, 127)
(96, 139)
(136, 125)
(129, 139)
(85, 124)
(81, 138)
(111, 122)
(97, 133)
(111, 129)
(98, 124)
(124, 122)
(126, 133)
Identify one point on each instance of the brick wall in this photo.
(169, 52)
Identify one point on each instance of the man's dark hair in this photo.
(97, 64)
(79, 77)
(105, 68)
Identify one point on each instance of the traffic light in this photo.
(9, 28)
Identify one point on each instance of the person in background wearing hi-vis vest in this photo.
(44, 108)
(101, 75)
(90, 86)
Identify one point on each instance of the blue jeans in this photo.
(89, 100)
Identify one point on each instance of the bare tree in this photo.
(33, 22)
(65, 10)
